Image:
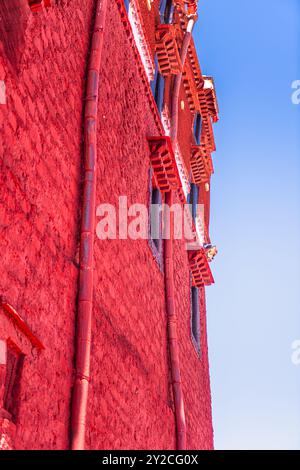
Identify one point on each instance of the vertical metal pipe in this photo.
(172, 333)
(169, 266)
(85, 294)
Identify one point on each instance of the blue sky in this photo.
(252, 50)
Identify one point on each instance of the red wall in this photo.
(130, 400)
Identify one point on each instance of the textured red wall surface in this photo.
(130, 399)
(185, 125)
(150, 19)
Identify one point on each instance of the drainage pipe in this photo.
(169, 265)
(85, 294)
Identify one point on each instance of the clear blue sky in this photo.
(252, 50)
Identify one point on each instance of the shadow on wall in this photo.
(13, 21)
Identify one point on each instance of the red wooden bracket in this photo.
(20, 324)
(37, 5)
(211, 98)
(203, 102)
(163, 163)
(209, 109)
(191, 92)
(167, 50)
(201, 164)
(200, 269)
(207, 135)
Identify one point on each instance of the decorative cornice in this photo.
(183, 173)
(166, 121)
(200, 229)
(182, 170)
(141, 68)
(136, 21)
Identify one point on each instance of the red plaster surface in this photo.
(185, 126)
(130, 399)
